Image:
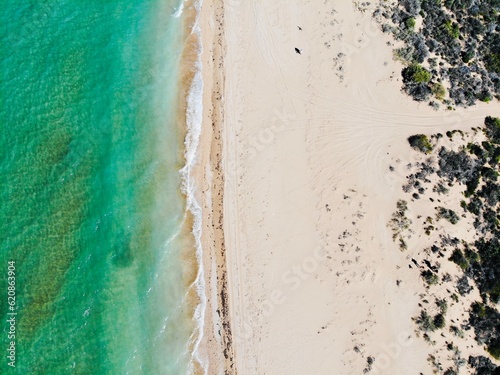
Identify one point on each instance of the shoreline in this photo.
(188, 114)
(216, 347)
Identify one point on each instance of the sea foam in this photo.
(179, 10)
(194, 113)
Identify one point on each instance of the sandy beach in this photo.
(301, 272)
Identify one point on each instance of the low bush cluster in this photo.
(477, 167)
(463, 36)
(421, 143)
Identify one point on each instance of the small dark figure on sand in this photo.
(298, 51)
(300, 28)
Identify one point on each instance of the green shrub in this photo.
(421, 143)
(442, 305)
(493, 62)
(489, 174)
(403, 245)
(438, 91)
(488, 146)
(472, 184)
(425, 322)
(440, 189)
(468, 56)
(478, 309)
(439, 321)
(493, 128)
(410, 23)
(456, 331)
(494, 349)
(485, 98)
(472, 256)
(494, 292)
(458, 258)
(447, 214)
(416, 74)
(402, 206)
(452, 29)
(430, 277)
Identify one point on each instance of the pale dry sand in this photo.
(297, 193)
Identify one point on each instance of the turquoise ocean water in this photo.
(90, 202)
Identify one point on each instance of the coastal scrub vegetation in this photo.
(430, 277)
(447, 214)
(459, 259)
(416, 82)
(493, 130)
(421, 143)
(400, 223)
(458, 42)
(438, 91)
(416, 74)
(475, 167)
